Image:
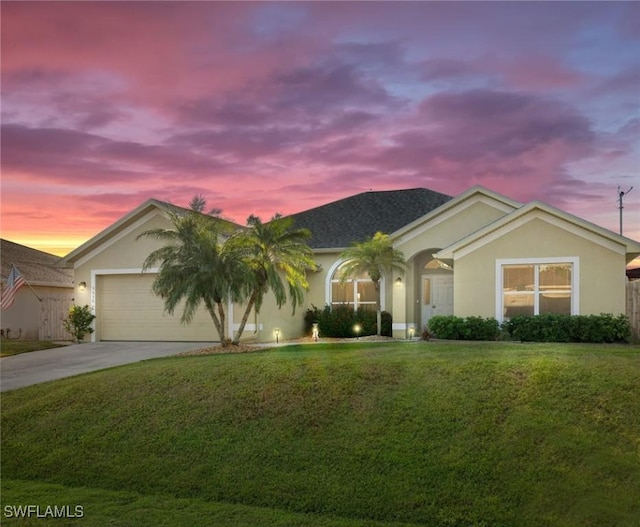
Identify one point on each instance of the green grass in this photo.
(438, 434)
(15, 347)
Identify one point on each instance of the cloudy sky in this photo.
(279, 107)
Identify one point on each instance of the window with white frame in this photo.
(536, 287)
(357, 292)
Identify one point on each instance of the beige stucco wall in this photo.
(452, 226)
(425, 239)
(291, 325)
(125, 252)
(399, 300)
(129, 253)
(116, 253)
(602, 270)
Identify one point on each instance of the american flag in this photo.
(14, 281)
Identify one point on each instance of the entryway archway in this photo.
(434, 287)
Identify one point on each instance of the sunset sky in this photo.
(279, 107)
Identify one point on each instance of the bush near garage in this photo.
(78, 322)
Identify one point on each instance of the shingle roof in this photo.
(36, 267)
(356, 218)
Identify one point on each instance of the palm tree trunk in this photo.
(216, 321)
(224, 340)
(245, 317)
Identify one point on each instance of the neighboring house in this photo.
(43, 302)
(479, 253)
(633, 274)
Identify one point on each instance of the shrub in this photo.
(445, 327)
(569, 328)
(340, 321)
(470, 328)
(541, 328)
(478, 328)
(79, 321)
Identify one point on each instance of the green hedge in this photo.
(340, 321)
(469, 328)
(539, 328)
(569, 328)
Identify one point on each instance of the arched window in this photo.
(357, 292)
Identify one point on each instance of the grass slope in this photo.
(362, 434)
(14, 347)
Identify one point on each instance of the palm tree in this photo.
(374, 257)
(196, 267)
(275, 253)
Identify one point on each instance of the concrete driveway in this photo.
(47, 365)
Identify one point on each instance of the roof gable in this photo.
(338, 224)
(454, 206)
(538, 209)
(122, 226)
(112, 230)
(36, 267)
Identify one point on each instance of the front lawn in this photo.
(14, 347)
(435, 433)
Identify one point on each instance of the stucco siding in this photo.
(291, 325)
(471, 232)
(118, 261)
(439, 232)
(601, 268)
(124, 251)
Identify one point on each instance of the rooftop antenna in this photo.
(622, 194)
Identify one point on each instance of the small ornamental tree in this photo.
(78, 322)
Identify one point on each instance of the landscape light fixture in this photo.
(276, 332)
(412, 331)
(356, 330)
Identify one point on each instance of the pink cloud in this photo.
(539, 73)
(266, 107)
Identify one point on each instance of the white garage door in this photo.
(128, 310)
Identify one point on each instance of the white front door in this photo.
(437, 296)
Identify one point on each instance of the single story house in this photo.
(43, 302)
(479, 253)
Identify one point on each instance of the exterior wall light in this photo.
(82, 286)
(398, 282)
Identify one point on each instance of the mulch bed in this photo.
(249, 348)
(240, 348)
